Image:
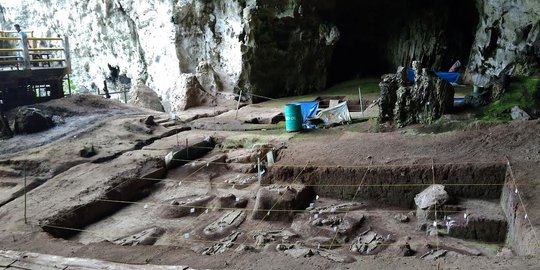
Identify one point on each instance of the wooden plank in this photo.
(48, 60)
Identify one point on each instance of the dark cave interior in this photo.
(378, 36)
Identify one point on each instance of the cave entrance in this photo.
(379, 36)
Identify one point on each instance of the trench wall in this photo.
(397, 185)
(520, 234)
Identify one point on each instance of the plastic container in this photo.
(293, 117)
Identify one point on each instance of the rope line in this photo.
(276, 203)
(348, 209)
(352, 166)
(337, 185)
(522, 203)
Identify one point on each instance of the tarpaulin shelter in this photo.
(451, 77)
(335, 115)
(309, 109)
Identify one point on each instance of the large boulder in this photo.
(142, 96)
(434, 195)
(31, 120)
(189, 93)
(422, 101)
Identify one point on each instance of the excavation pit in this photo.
(481, 191)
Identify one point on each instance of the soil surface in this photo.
(126, 205)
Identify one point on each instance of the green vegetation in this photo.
(349, 89)
(521, 94)
(69, 85)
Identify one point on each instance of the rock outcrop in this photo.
(143, 96)
(506, 41)
(31, 120)
(422, 101)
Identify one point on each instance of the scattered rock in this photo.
(283, 247)
(179, 209)
(337, 208)
(244, 248)
(434, 254)
(240, 182)
(299, 252)
(319, 242)
(225, 223)
(264, 237)
(143, 96)
(519, 114)
(505, 252)
(401, 218)
(336, 257)
(284, 199)
(31, 120)
(367, 242)
(225, 244)
(88, 151)
(146, 237)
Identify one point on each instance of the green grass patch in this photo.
(521, 93)
(349, 89)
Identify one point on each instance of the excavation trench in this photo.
(134, 187)
(396, 187)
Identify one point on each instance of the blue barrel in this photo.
(293, 117)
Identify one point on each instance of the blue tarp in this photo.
(309, 108)
(451, 77)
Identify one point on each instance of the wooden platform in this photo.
(34, 74)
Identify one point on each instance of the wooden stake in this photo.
(259, 176)
(361, 103)
(24, 174)
(187, 149)
(238, 104)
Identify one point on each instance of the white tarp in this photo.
(335, 115)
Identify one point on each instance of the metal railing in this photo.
(36, 56)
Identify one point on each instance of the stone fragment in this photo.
(223, 245)
(519, 114)
(299, 252)
(431, 196)
(230, 220)
(149, 121)
(143, 96)
(178, 209)
(367, 243)
(31, 120)
(88, 151)
(336, 257)
(264, 237)
(401, 218)
(145, 237)
(434, 254)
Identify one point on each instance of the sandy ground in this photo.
(128, 150)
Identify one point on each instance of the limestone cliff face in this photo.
(264, 47)
(507, 40)
(271, 47)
